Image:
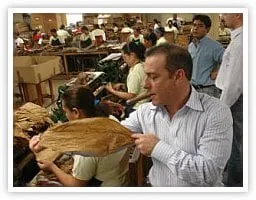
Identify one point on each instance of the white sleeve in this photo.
(103, 36)
(234, 87)
(40, 41)
(84, 168)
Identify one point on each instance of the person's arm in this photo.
(218, 53)
(104, 36)
(119, 86)
(40, 41)
(175, 32)
(122, 95)
(141, 39)
(137, 98)
(67, 34)
(234, 87)
(133, 121)
(179, 23)
(130, 38)
(214, 73)
(50, 40)
(92, 35)
(217, 56)
(64, 178)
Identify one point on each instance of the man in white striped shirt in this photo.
(187, 134)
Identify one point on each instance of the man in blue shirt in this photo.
(207, 56)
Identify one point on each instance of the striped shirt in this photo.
(194, 145)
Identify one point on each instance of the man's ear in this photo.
(180, 74)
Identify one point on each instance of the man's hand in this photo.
(214, 75)
(145, 142)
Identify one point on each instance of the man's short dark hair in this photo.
(205, 19)
(176, 58)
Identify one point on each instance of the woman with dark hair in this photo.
(63, 34)
(54, 39)
(79, 102)
(115, 27)
(136, 36)
(171, 28)
(36, 35)
(150, 40)
(156, 24)
(112, 170)
(85, 38)
(133, 55)
(160, 36)
(36, 38)
(98, 35)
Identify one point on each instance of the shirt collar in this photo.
(194, 101)
(196, 41)
(236, 32)
(203, 39)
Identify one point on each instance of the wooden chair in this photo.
(136, 169)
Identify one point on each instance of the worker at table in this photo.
(133, 55)
(85, 38)
(54, 39)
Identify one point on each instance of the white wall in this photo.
(73, 18)
(17, 17)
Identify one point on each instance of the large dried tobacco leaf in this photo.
(88, 137)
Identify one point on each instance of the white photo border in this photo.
(11, 11)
